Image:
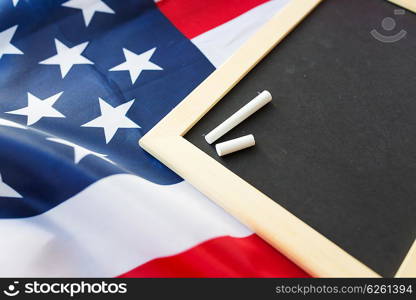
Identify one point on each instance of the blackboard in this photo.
(337, 145)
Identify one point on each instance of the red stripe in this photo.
(222, 257)
(193, 17)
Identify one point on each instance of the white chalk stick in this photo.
(243, 113)
(235, 145)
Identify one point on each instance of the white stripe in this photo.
(219, 43)
(111, 227)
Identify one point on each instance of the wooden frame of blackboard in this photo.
(284, 231)
(409, 4)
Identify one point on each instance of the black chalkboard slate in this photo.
(337, 146)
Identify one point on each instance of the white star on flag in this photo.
(38, 108)
(5, 38)
(79, 152)
(15, 2)
(136, 63)
(89, 8)
(112, 119)
(8, 191)
(67, 57)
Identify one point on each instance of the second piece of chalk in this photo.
(235, 145)
(243, 113)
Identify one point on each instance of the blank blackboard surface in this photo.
(337, 146)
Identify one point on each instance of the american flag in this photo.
(81, 81)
